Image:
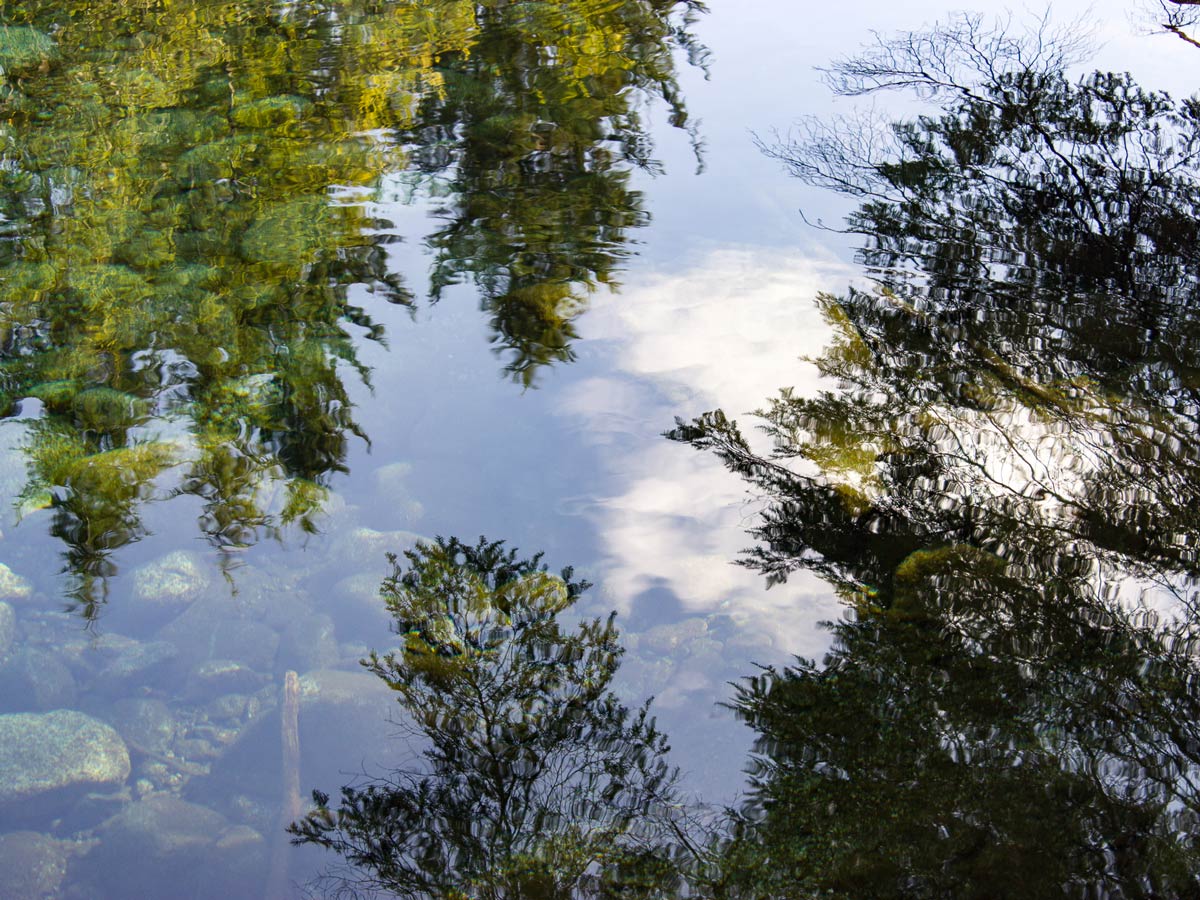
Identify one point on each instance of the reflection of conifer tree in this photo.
(536, 127)
(1002, 468)
(536, 781)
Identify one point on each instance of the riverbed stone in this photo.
(345, 725)
(136, 663)
(170, 584)
(45, 756)
(13, 586)
(34, 679)
(163, 846)
(393, 484)
(145, 724)
(308, 642)
(8, 629)
(33, 865)
(359, 608)
(270, 596)
(215, 629)
(366, 549)
(215, 677)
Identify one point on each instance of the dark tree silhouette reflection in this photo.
(535, 782)
(1000, 480)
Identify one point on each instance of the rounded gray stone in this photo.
(54, 752)
(171, 583)
(12, 585)
(34, 679)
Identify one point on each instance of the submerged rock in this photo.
(8, 629)
(308, 642)
(136, 663)
(366, 549)
(162, 846)
(360, 608)
(12, 585)
(34, 865)
(345, 726)
(146, 725)
(223, 676)
(44, 756)
(34, 679)
(393, 485)
(22, 46)
(170, 584)
(215, 629)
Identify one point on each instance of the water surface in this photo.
(286, 288)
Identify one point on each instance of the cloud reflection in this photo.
(726, 332)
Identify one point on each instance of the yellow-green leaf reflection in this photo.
(185, 227)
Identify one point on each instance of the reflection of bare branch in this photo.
(1174, 17)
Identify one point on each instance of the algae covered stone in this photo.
(59, 751)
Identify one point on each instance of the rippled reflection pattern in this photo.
(1000, 480)
(189, 261)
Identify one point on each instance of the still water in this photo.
(288, 288)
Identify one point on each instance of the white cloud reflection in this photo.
(727, 332)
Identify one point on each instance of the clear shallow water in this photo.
(185, 655)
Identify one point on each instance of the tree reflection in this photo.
(1001, 482)
(188, 255)
(536, 129)
(536, 781)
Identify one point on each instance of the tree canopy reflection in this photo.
(1000, 480)
(189, 257)
(536, 781)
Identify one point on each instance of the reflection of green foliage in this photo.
(174, 251)
(537, 781)
(22, 47)
(536, 127)
(174, 255)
